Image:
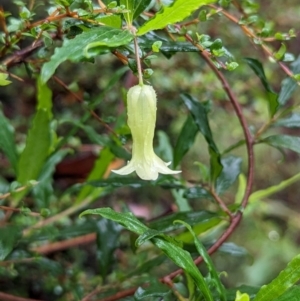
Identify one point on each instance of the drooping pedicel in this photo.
(141, 111)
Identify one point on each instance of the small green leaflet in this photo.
(178, 11)
(3, 79)
(75, 49)
(281, 283)
(185, 140)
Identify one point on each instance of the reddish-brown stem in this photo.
(5, 208)
(120, 295)
(8, 297)
(65, 244)
(243, 122)
(221, 203)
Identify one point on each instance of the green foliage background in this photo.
(63, 124)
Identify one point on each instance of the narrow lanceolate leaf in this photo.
(231, 170)
(284, 141)
(36, 151)
(257, 67)
(128, 220)
(265, 193)
(179, 256)
(289, 85)
(199, 114)
(212, 270)
(44, 97)
(7, 141)
(103, 37)
(184, 260)
(293, 121)
(178, 11)
(281, 283)
(185, 140)
(97, 172)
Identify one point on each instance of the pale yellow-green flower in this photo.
(141, 111)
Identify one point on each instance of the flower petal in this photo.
(162, 167)
(127, 169)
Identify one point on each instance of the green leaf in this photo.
(44, 97)
(199, 114)
(292, 294)
(197, 193)
(289, 84)
(166, 223)
(264, 193)
(151, 233)
(145, 267)
(139, 6)
(136, 7)
(185, 140)
(233, 250)
(231, 170)
(179, 10)
(281, 283)
(7, 141)
(36, 151)
(3, 79)
(75, 49)
(180, 257)
(211, 268)
(98, 171)
(111, 21)
(108, 233)
(154, 290)
(8, 239)
(184, 260)
(284, 141)
(258, 69)
(293, 121)
(128, 220)
(44, 190)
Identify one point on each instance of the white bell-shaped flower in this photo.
(141, 111)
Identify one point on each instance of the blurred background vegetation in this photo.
(269, 234)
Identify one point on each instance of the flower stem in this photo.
(138, 60)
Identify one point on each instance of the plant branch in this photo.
(9, 297)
